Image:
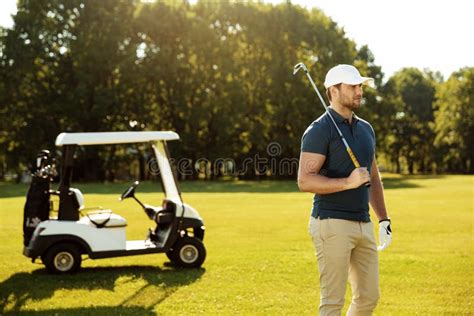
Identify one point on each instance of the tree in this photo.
(408, 97)
(218, 73)
(454, 122)
(62, 62)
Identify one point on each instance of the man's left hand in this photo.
(385, 234)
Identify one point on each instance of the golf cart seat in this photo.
(104, 219)
(96, 215)
(80, 202)
(79, 197)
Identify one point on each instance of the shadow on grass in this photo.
(408, 181)
(398, 183)
(200, 186)
(16, 291)
(99, 311)
(268, 186)
(264, 186)
(8, 189)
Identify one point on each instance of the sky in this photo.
(434, 34)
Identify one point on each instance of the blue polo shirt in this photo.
(321, 137)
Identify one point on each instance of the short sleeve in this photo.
(373, 136)
(316, 138)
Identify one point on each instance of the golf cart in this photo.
(60, 242)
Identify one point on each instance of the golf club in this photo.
(356, 163)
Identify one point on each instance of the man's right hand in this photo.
(358, 177)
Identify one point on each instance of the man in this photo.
(340, 224)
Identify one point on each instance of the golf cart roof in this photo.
(103, 138)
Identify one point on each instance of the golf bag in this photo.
(37, 204)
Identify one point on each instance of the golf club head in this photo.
(298, 66)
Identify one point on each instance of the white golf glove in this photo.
(385, 234)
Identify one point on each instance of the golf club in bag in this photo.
(356, 163)
(37, 204)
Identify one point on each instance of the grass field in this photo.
(260, 258)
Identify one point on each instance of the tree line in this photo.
(219, 74)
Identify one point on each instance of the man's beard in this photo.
(352, 104)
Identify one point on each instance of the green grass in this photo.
(260, 257)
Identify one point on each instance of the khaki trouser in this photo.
(346, 249)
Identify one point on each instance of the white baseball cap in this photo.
(347, 74)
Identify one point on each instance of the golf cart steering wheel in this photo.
(130, 192)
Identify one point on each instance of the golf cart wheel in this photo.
(62, 258)
(188, 252)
